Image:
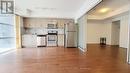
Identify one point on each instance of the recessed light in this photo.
(104, 10)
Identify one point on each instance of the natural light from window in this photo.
(7, 33)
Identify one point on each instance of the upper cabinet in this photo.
(42, 23)
(61, 24)
(29, 23)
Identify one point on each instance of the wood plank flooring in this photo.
(110, 59)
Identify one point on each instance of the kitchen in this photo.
(48, 32)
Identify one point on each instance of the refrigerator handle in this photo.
(64, 35)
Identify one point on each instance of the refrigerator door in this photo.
(70, 27)
(71, 39)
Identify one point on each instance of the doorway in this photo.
(115, 35)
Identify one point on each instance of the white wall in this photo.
(105, 29)
(82, 22)
(95, 30)
(108, 25)
(98, 28)
(123, 29)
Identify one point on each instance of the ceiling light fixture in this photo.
(104, 10)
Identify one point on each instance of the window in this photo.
(7, 33)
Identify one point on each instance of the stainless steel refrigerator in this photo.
(70, 38)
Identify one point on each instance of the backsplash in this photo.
(35, 31)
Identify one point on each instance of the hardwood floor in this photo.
(59, 60)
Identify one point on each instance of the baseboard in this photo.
(97, 44)
(93, 43)
(123, 47)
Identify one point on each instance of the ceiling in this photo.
(111, 5)
(51, 8)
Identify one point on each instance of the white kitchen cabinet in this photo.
(60, 40)
(44, 25)
(39, 23)
(60, 31)
(33, 41)
(61, 24)
(30, 23)
(32, 26)
(33, 23)
(29, 41)
(26, 25)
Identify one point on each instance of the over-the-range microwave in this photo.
(51, 26)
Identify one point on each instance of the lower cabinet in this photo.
(29, 41)
(61, 40)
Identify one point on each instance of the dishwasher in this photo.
(41, 41)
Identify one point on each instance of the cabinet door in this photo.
(44, 25)
(38, 23)
(29, 41)
(26, 23)
(29, 23)
(61, 24)
(34, 41)
(26, 41)
(33, 23)
(60, 40)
